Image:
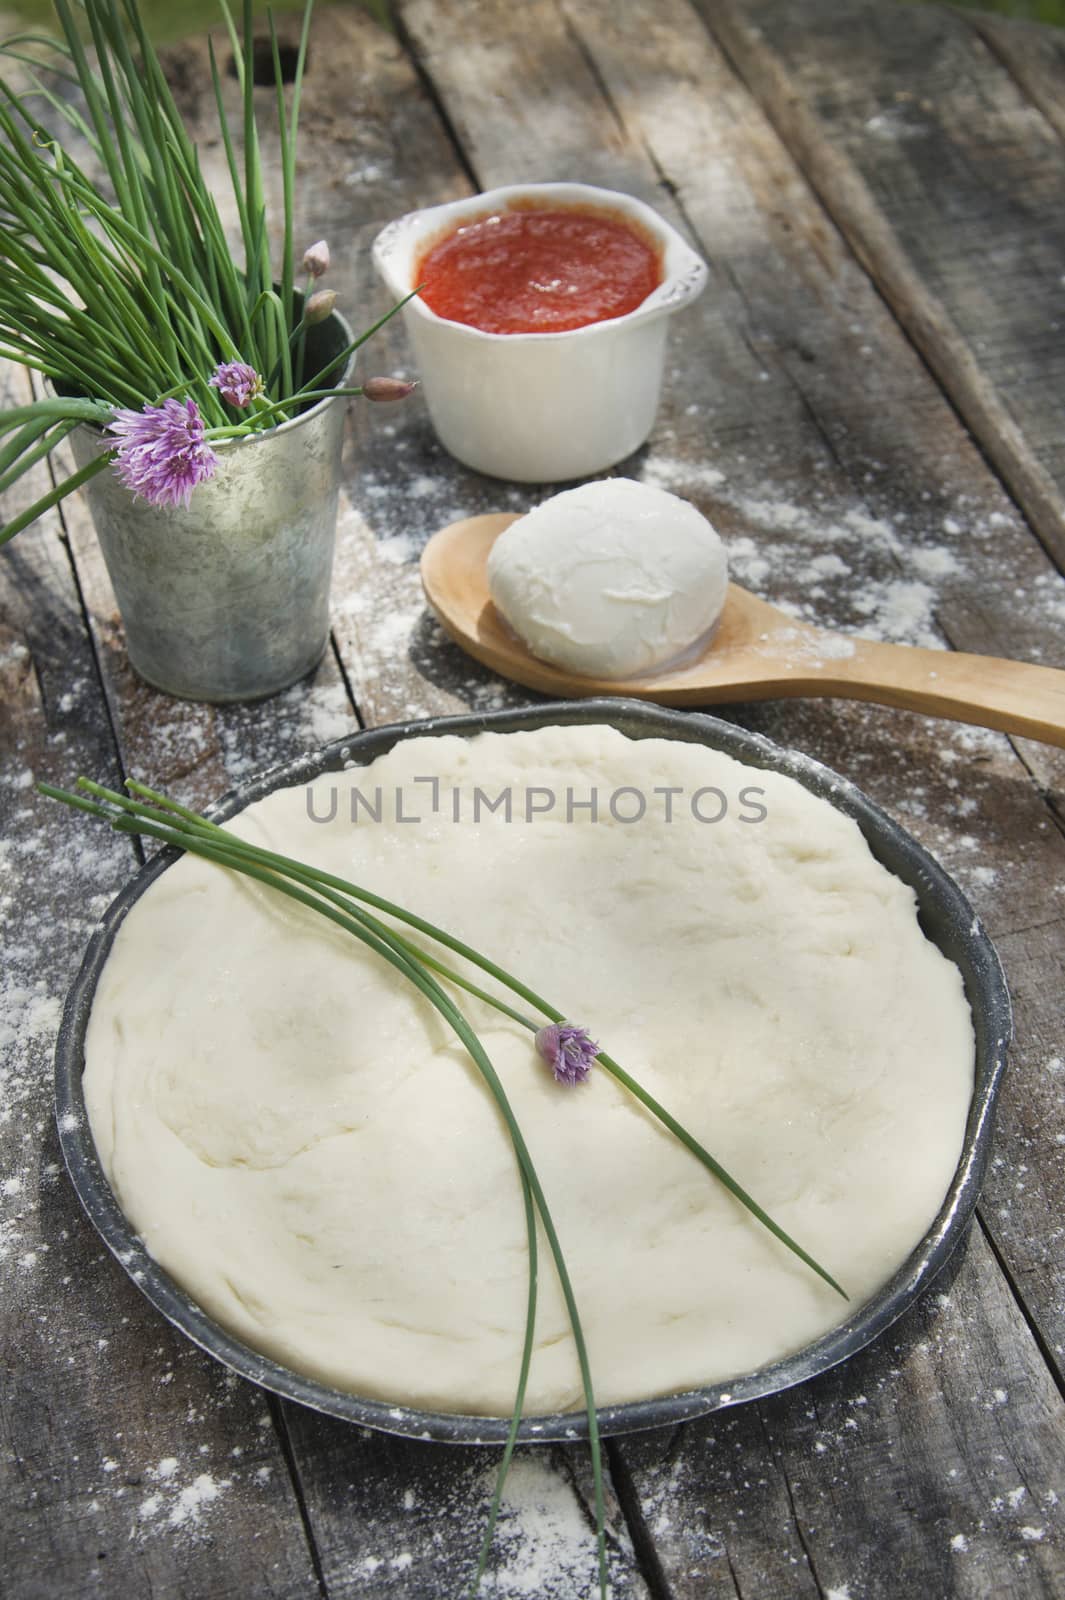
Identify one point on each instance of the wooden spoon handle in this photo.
(1012, 696)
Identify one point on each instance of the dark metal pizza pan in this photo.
(946, 918)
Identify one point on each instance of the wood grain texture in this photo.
(1034, 56)
(371, 144)
(816, 324)
(801, 421)
(798, 416)
(791, 1496)
(414, 1515)
(130, 1464)
(825, 507)
(948, 184)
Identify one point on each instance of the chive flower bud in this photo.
(316, 259)
(236, 382)
(162, 453)
(319, 306)
(385, 390)
(568, 1050)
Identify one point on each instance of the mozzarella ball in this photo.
(610, 580)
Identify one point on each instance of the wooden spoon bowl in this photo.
(757, 653)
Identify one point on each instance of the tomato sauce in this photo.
(538, 271)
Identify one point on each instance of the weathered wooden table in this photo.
(870, 403)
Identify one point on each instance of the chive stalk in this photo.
(122, 289)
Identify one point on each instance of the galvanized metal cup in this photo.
(229, 600)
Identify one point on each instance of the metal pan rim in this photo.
(946, 916)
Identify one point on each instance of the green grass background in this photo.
(172, 19)
(1033, 10)
(167, 20)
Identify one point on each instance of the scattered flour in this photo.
(681, 477)
(399, 550)
(900, 609)
(933, 563)
(747, 564)
(827, 565)
(184, 1498)
(389, 635)
(325, 711)
(785, 535)
(895, 124)
(815, 523)
(27, 1013)
(543, 1546)
(201, 1492)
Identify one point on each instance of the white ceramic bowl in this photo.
(540, 407)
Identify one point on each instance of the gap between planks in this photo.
(921, 313)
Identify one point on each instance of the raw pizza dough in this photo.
(303, 1145)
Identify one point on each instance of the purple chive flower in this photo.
(236, 382)
(162, 453)
(316, 259)
(568, 1051)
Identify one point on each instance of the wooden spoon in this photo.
(757, 653)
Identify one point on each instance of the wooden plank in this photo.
(415, 1516)
(819, 328)
(825, 512)
(800, 274)
(398, 660)
(374, 147)
(399, 487)
(351, 166)
(131, 1464)
(792, 458)
(1033, 54)
(877, 744)
(948, 526)
(788, 1496)
(948, 184)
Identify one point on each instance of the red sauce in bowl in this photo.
(538, 271)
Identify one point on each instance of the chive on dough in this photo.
(305, 1146)
(610, 580)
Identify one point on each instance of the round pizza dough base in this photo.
(303, 1144)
